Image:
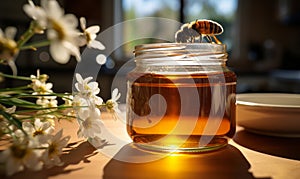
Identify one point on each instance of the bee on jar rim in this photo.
(197, 30)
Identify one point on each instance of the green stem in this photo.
(12, 120)
(101, 105)
(27, 35)
(35, 45)
(15, 77)
(41, 109)
(15, 90)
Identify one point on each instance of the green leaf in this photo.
(11, 119)
(19, 103)
(15, 90)
(16, 77)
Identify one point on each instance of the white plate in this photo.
(274, 114)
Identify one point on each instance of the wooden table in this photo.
(247, 156)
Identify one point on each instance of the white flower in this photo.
(39, 130)
(85, 86)
(39, 84)
(68, 99)
(20, 135)
(5, 125)
(41, 87)
(7, 37)
(35, 12)
(90, 124)
(47, 103)
(9, 48)
(79, 102)
(55, 148)
(19, 156)
(112, 104)
(61, 29)
(45, 115)
(38, 14)
(88, 89)
(10, 110)
(69, 104)
(42, 78)
(62, 32)
(89, 35)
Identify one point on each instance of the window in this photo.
(146, 8)
(222, 11)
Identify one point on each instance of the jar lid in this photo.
(180, 48)
(181, 53)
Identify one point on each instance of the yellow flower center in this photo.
(43, 77)
(8, 48)
(38, 132)
(43, 89)
(52, 150)
(88, 37)
(86, 87)
(59, 29)
(109, 104)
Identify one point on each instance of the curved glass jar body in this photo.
(181, 97)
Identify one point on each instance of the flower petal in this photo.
(10, 32)
(36, 13)
(79, 77)
(115, 94)
(98, 100)
(37, 123)
(81, 40)
(74, 50)
(28, 127)
(93, 29)
(52, 8)
(59, 53)
(13, 67)
(93, 85)
(49, 86)
(96, 44)
(51, 34)
(87, 80)
(82, 23)
(71, 19)
(83, 114)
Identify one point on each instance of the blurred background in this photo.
(262, 38)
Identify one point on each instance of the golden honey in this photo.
(184, 108)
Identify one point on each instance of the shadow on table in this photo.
(277, 146)
(81, 153)
(228, 162)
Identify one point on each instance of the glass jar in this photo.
(181, 97)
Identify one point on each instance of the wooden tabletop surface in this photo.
(247, 156)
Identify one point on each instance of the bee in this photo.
(197, 30)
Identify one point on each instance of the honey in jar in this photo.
(181, 97)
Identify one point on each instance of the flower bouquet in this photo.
(28, 113)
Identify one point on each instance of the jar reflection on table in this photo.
(181, 97)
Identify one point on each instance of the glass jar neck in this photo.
(180, 54)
